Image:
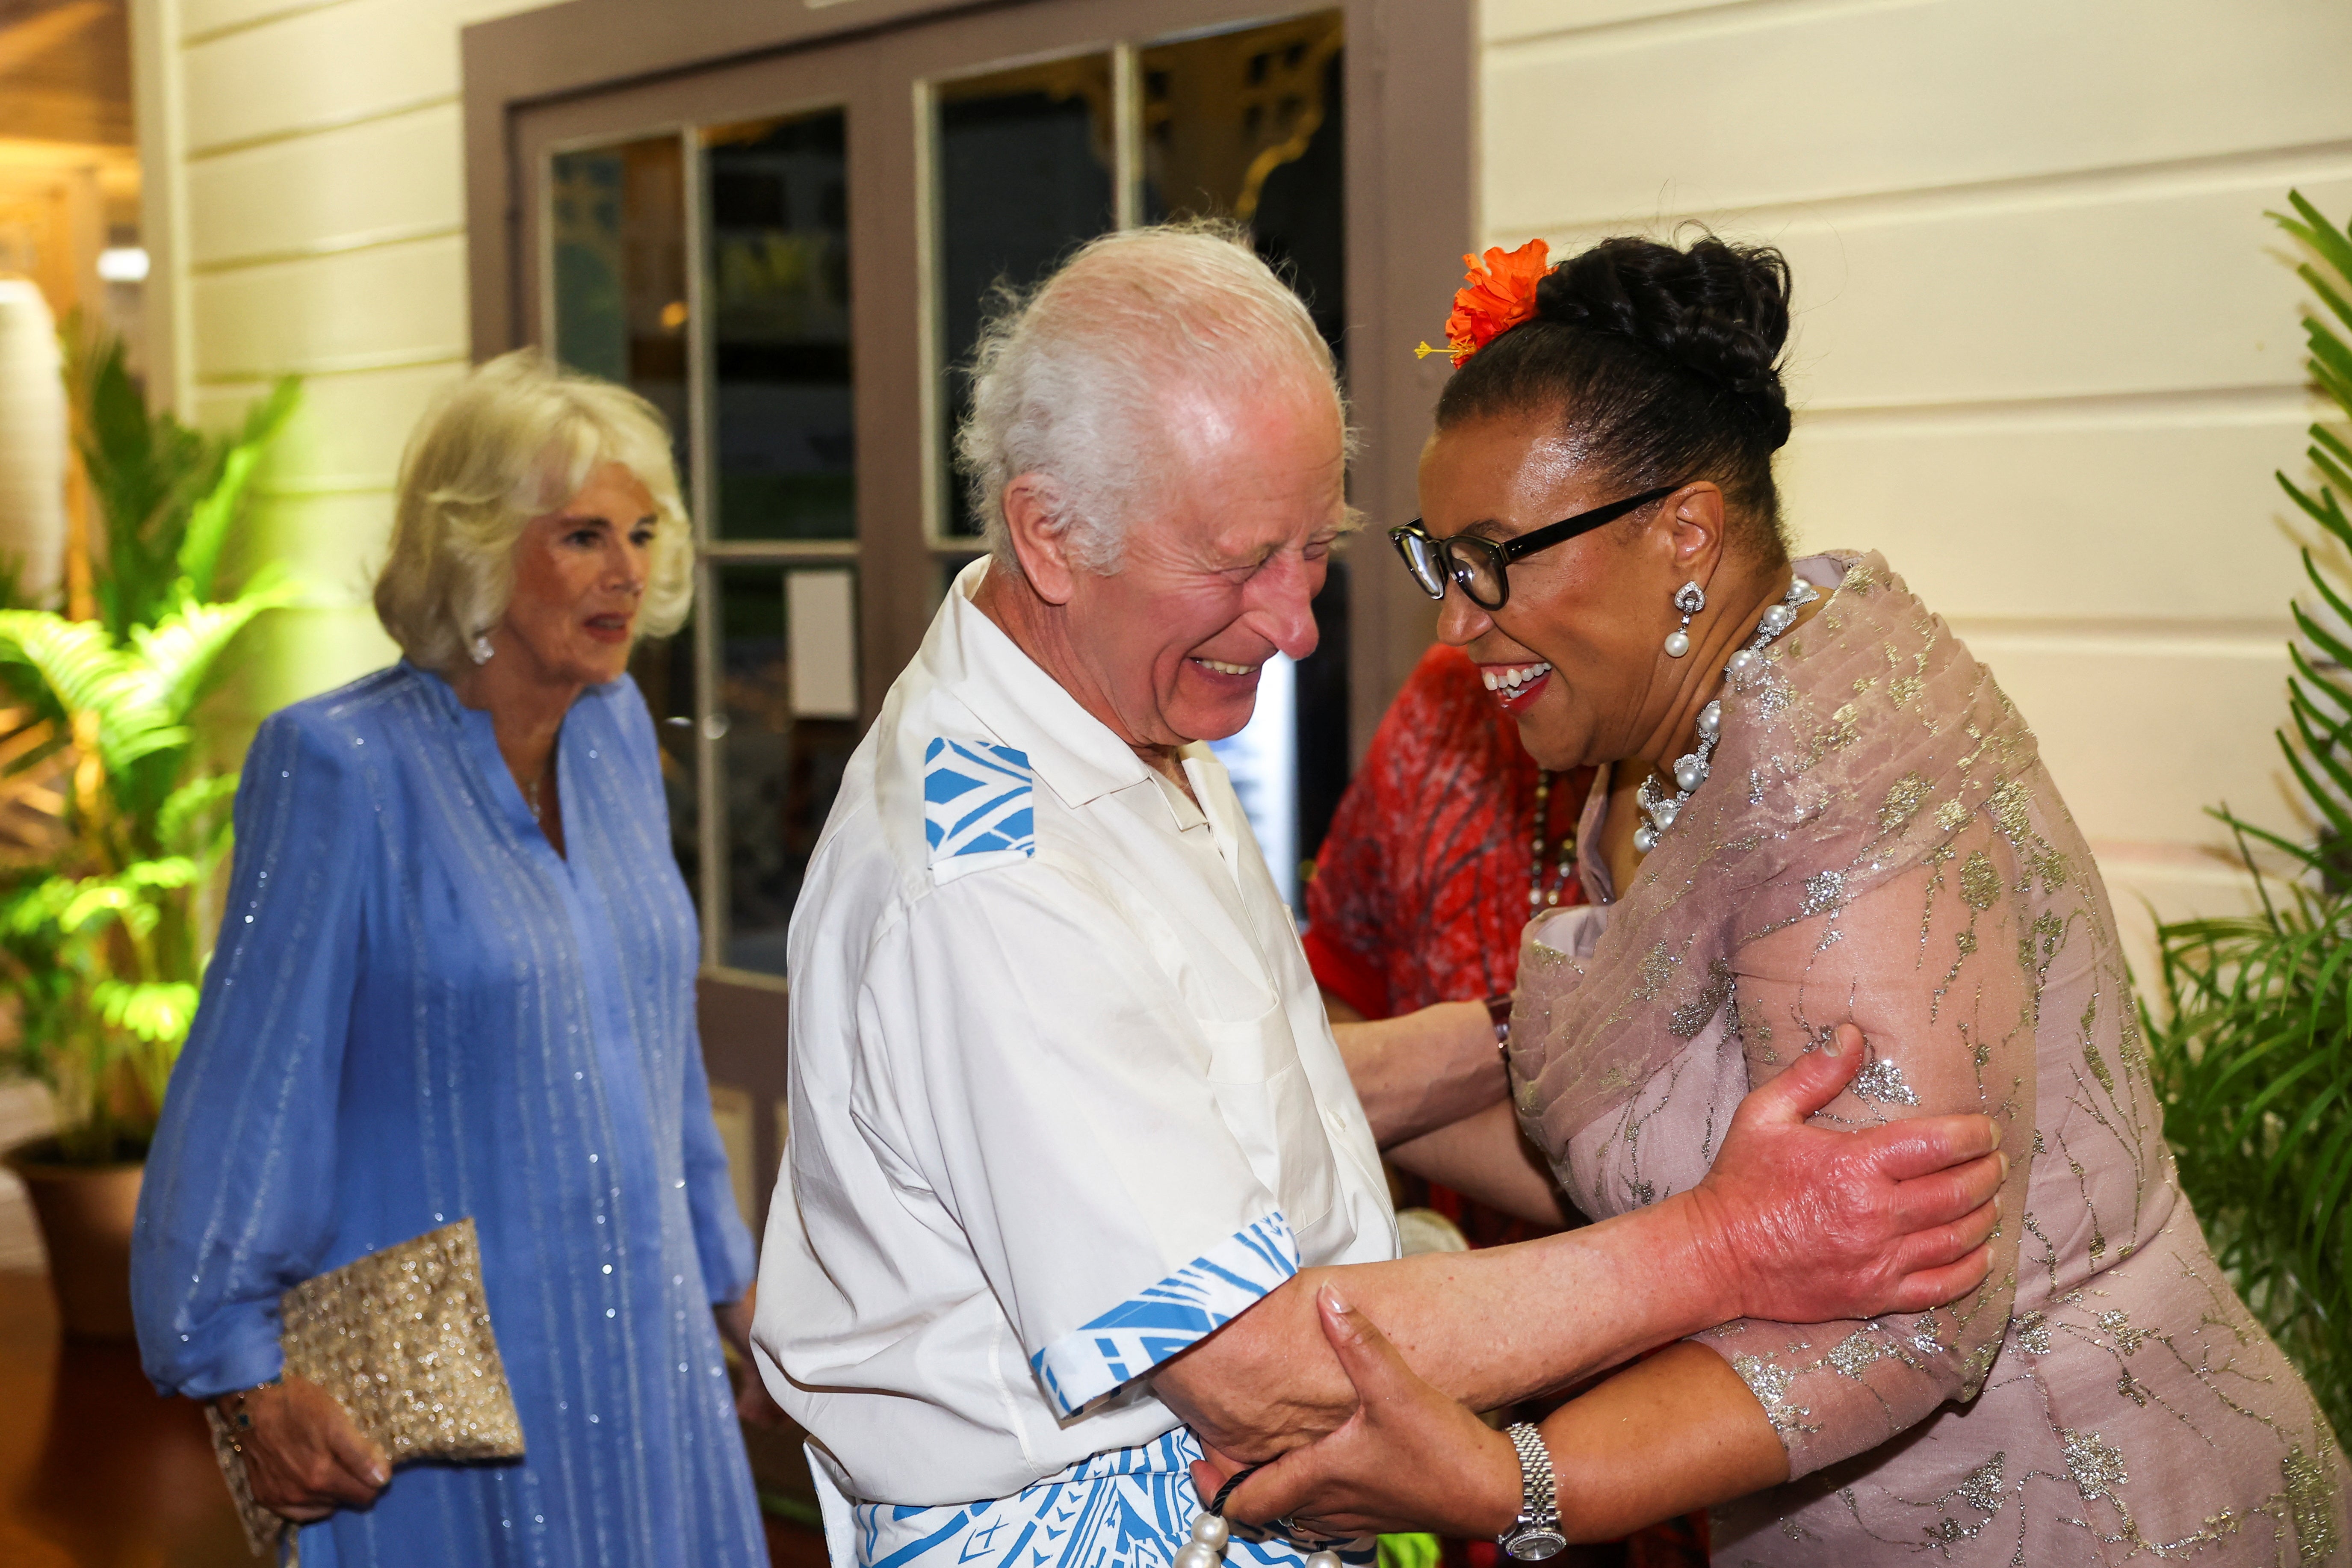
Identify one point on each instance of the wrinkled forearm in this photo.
(1424, 1070)
(1489, 1328)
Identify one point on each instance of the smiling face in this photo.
(1219, 572)
(579, 575)
(1575, 656)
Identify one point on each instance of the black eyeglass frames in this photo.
(1481, 566)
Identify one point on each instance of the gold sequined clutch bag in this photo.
(402, 1339)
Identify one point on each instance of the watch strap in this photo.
(1540, 1488)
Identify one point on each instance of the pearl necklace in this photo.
(1690, 768)
(1536, 899)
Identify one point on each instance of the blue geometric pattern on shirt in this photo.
(1160, 1320)
(1131, 1508)
(976, 799)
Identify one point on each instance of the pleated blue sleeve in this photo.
(239, 1197)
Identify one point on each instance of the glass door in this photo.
(1245, 124)
(792, 257)
(709, 268)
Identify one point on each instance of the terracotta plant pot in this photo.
(84, 1212)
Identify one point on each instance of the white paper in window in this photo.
(821, 622)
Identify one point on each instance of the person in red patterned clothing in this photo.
(1448, 839)
(1449, 831)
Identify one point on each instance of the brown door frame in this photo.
(1412, 208)
(598, 67)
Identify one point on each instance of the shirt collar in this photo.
(1074, 752)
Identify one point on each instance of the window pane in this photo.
(617, 226)
(663, 671)
(1024, 170)
(1251, 125)
(789, 691)
(777, 201)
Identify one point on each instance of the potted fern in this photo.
(2252, 1045)
(102, 938)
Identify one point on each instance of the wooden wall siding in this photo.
(2047, 352)
(309, 217)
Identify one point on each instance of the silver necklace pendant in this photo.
(1691, 767)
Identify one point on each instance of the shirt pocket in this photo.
(1269, 1107)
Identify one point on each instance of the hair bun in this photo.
(1717, 309)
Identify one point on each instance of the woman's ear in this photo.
(1689, 529)
(1040, 540)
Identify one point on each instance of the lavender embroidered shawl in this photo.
(1879, 841)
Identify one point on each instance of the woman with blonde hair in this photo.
(457, 980)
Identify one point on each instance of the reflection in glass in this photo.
(778, 254)
(781, 767)
(1024, 172)
(1250, 125)
(616, 224)
(664, 671)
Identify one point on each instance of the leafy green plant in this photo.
(102, 941)
(2251, 1046)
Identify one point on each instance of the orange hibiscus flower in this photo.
(1501, 294)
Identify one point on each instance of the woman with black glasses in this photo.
(1820, 812)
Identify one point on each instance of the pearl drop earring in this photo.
(479, 650)
(1690, 599)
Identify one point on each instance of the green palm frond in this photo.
(94, 679)
(156, 1011)
(174, 658)
(2251, 1046)
(209, 521)
(146, 471)
(191, 821)
(103, 933)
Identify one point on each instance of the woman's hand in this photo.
(754, 1405)
(304, 1457)
(1807, 1225)
(1409, 1458)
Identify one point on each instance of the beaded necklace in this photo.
(1690, 768)
(1538, 898)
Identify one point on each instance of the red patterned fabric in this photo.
(1421, 885)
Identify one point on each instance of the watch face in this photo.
(1535, 1544)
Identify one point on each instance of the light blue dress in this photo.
(418, 1011)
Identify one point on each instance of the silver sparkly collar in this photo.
(1690, 768)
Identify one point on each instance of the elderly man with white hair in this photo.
(1072, 1140)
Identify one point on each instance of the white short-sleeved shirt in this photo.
(1064, 1098)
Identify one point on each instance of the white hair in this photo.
(1069, 381)
(514, 440)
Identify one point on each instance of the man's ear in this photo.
(1040, 542)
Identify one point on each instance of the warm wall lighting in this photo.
(122, 264)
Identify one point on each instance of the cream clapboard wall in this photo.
(304, 197)
(2047, 351)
